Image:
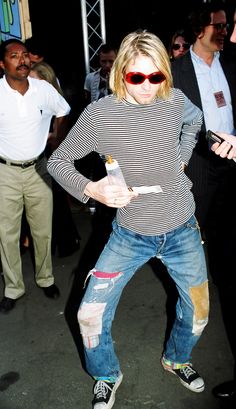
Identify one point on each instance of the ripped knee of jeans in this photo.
(90, 322)
(103, 278)
(200, 299)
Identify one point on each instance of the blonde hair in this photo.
(149, 45)
(45, 72)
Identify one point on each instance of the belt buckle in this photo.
(27, 164)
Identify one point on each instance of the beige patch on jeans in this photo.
(200, 299)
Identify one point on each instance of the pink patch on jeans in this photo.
(100, 274)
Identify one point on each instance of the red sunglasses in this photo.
(137, 78)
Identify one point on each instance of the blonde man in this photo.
(140, 126)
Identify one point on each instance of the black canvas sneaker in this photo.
(104, 393)
(188, 376)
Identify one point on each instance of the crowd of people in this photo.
(149, 108)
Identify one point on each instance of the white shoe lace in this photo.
(187, 371)
(101, 389)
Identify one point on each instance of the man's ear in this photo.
(2, 65)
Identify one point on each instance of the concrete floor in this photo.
(41, 364)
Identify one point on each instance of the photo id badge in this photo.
(220, 99)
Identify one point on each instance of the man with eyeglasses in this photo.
(227, 390)
(208, 79)
(150, 129)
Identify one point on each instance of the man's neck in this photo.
(205, 54)
(19, 85)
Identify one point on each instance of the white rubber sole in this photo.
(185, 384)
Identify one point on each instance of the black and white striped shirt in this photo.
(150, 142)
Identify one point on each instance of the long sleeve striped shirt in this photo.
(150, 142)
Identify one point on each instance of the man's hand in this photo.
(226, 149)
(110, 195)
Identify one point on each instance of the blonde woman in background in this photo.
(44, 71)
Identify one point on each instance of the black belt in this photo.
(23, 165)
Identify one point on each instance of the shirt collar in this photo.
(196, 58)
(14, 91)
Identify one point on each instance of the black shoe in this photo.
(52, 291)
(7, 304)
(188, 376)
(225, 390)
(104, 393)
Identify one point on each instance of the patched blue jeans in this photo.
(182, 253)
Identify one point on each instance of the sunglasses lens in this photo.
(135, 78)
(176, 47)
(185, 46)
(156, 78)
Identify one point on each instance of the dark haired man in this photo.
(96, 83)
(208, 79)
(26, 108)
(35, 49)
(227, 390)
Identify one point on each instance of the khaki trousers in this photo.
(29, 187)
